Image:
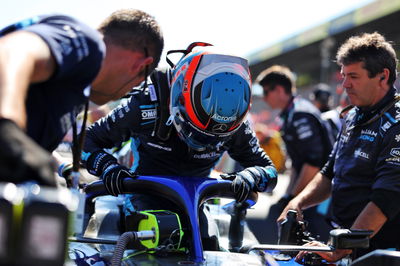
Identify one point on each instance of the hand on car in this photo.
(292, 205)
(113, 177)
(328, 256)
(242, 185)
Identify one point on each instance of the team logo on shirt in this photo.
(361, 154)
(368, 135)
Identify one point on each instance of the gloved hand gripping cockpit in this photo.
(106, 166)
(255, 178)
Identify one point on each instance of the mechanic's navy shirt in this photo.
(52, 106)
(365, 166)
(153, 156)
(306, 137)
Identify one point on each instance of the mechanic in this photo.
(363, 171)
(183, 129)
(307, 137)
(48, 67)
(321, 97)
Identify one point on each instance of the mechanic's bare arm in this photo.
(306, 174)
(24, 58)
(371, 218)
(318, 190)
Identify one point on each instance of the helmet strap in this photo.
(161, 129)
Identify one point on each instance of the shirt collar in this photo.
(364, 113)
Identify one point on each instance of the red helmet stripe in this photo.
(187, 91)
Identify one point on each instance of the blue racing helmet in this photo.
(210, 96)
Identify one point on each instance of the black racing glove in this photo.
(113, 177)
(22, 159)
(109, 170)
(252, 179)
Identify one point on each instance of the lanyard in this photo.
(77, 144)
(371, 120)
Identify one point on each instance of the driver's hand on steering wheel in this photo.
(113, 177)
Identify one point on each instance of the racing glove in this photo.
(254, 178)
(109, 170)
(22, 159)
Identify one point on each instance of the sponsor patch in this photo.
(395, 152)
(219, 145)
(206, 155)
(153, 95)
(369, 132)
(305, 135)
(386, 126)
(221, 118)
(219, 128)
(367, 138)
(361, 154)
(253, 141)
(303, 129)
(159, 146)
(393, 160)
(300, 121)
(149, 114)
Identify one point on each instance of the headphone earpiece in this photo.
(382, 78)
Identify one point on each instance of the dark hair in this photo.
(277, 75)
(134, 30)
(321, 92)
(373, 50)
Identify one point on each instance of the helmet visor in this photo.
(194, 137)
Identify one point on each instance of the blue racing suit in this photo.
(52, 106)
(365, 167)
(137, 119)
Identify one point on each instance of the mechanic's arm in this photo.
(306, 174)
(25, 58)
(371, 218)
(318, 190)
